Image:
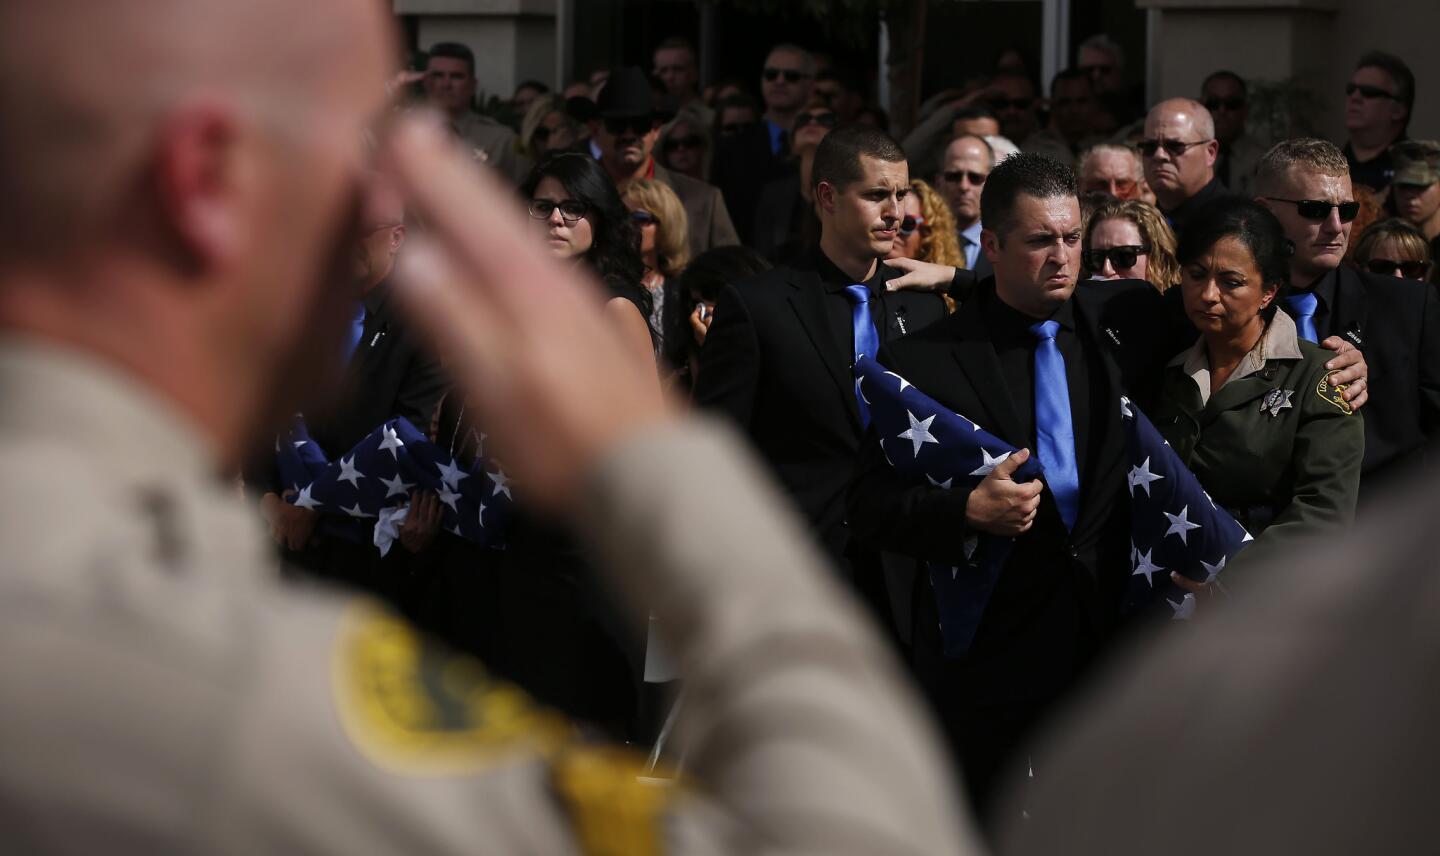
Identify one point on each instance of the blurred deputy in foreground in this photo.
(166, 283)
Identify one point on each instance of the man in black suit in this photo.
(778, 357)
(387, 375)
(1394, 322)
(1024, 337)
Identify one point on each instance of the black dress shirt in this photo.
(1015, 347)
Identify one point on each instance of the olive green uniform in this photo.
(1277, 445)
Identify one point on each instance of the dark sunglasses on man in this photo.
(791, 75)
(1173, 148)
(823, 119)
(571, 210)
(636, 126)
(1319, 209)
(730, 129)
(954, 175)
(1121, 258)
(909, 224)
(1002, 104)
(1404, 270)
(1230, 105)
(1368, 92)
(692, 141)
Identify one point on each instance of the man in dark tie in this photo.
(1394, 322)
(1042, 366)
(778, 358)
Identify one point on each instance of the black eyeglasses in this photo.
(1173, 148)
(1233, 105)
(1121, 258)
(1000, 105)
(643, 217)
(638, 126)
(909, 224)
(1407, 270)
(693, 141)
(954, 175)
(791, 75)
(824, 120)
(571, 210)
(1319, 209)
(1369, 91)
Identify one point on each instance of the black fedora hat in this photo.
(627, 93)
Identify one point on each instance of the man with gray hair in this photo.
(1395, 322)
(1103, 60)
(1111, 169)
(961, 178)
(1179, 151)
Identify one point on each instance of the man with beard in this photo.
(625, 138)
(387, 374)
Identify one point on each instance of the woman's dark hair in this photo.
(709, 273)
(1248, 222)
(614, 252)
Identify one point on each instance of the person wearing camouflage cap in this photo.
(1417, 186)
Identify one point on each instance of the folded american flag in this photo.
(374, 481)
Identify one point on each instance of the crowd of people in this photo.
(1043, 268)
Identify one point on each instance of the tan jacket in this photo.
(161, 691)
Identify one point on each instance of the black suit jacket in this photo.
(778, 360)
(1058, 593)
(1396, 323)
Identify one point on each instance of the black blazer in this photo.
(1396, 322)
(1059, 592)
(778, 361)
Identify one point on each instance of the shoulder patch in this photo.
(616, 807)
(1332, 393)
(413, 706)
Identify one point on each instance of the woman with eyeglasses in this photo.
(1394, 248)
(1129, 239)
(1250, 408)
(926, 231)
(785, 221)
(684, 147)
(664, 249)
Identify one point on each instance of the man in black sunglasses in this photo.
(1394, 322)
(625, 136)
(1226, 96)
(1378, 101)
(1178, 152)
(785, 84)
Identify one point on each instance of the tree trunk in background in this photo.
(906, 27)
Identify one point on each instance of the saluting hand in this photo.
(999, 504)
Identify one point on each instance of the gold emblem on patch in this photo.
(413, 706)
(1333, 394)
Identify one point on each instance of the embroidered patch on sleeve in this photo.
(1333, 393)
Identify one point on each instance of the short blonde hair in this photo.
(938, 241)
(672, 229)
(1161, 268)
(1410, 240)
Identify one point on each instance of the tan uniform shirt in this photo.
(161, 690)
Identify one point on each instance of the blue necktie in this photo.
(356, 332)
(867, 341)
(1302, 306)
(1053, 426)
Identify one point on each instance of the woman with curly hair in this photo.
(1129, 239)
(926, 231)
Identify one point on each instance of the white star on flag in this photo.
(903, 382)
(859, 379)
(1184, 610)
(390, 440)
(1143, 565)
(1180, 524)
(1125, 408)
(502, 484)
(451, 475)
(989, 463)
(297, 444)
(1142, 477)
(945, 485)
(918, 433)
(448, 496)
(395, 486)
(1213, 571)
(348, 471)
(354, 510)
(970, 545)
(482, 514)
(305, 500)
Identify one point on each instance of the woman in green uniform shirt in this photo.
(1250, 407)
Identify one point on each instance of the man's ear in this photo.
(990, 243)
(199, 180)
(397, 238)
(825, 195)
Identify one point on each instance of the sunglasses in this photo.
(909, 224)
(1406, 270)
(954, 175)
(690, 142)
(571, 210)
(1120, 188)
(643, 217)
(730, 129)
(1173, 148)
(1121, 258)
(790, 75)
(638, 126)
(824, 120)
(1233, 105)
(1368, 92)
(1319, 209)
(1000, 105)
